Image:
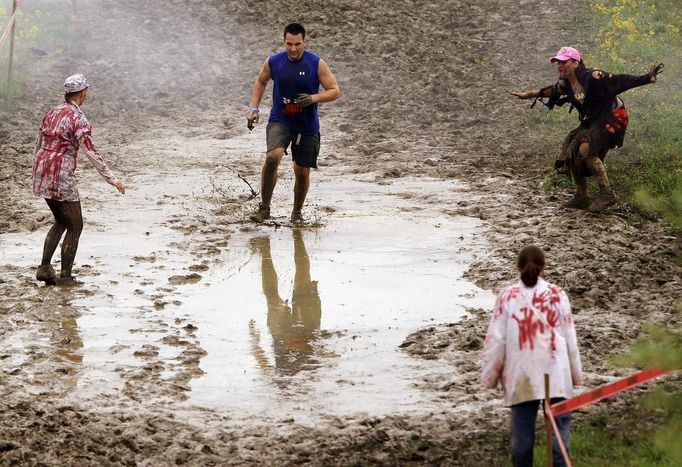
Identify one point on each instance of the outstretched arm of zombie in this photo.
(553, 94)
(534, 94)
(98, 161)
(617, 84)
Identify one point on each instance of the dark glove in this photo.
(304, 100)
(655, 71)
(251, 119)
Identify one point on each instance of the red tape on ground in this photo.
(605, 391)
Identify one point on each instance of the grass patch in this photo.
(605, 438)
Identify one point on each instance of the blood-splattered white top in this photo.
(63, 129)
(531, 333)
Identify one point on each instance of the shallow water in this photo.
(305, 320)
(377, 277)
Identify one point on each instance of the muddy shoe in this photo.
(297, 217)
(603, 201)
(578, 202)
(68, 281)
(46, 274)
(261, 214)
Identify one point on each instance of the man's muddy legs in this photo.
(301, 185)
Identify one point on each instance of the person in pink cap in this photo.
(603, 121)
(63, 131)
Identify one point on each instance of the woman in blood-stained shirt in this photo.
(531, 334)
(63, 131)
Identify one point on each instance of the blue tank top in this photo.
(290, 79)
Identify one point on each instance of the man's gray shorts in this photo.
(304, 148)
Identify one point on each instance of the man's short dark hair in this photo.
(294, 29)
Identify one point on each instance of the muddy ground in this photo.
(424, 94)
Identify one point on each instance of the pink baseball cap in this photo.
(566, 53)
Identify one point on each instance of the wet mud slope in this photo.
(424, 95)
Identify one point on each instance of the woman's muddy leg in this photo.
(597, 168)
(581, 180)
(55, 234)
(606, 196)
(45, 271)
(581, 185)
(580, 199)
(74, 227)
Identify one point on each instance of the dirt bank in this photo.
(424, 95)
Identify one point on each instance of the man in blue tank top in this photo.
(297, 75)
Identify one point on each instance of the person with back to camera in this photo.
(63, 131)
(297, 75)
(603, 121)
(531, 333)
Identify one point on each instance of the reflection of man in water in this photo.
(292, 328)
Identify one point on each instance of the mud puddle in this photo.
(308, 320)
(311, 321)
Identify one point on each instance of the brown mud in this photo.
(424, 94)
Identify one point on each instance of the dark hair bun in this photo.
(531, 263)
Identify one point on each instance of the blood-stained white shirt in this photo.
(531, 333)
(63, 131)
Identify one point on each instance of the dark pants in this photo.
(523, 433)
(67, 217)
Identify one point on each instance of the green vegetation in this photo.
(662, 347)
(42, 29)
(630, 36)
(601, 439)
